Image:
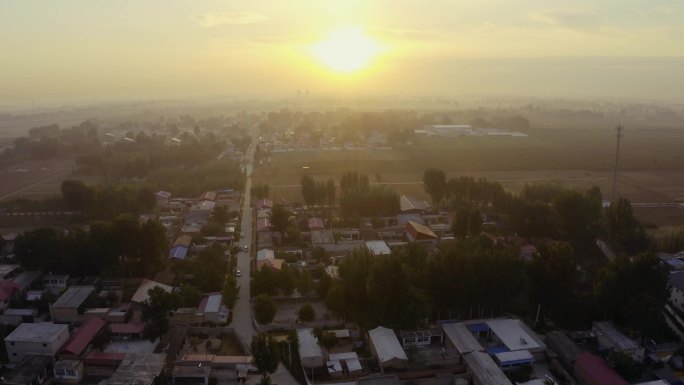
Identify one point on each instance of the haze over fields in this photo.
(83, 51)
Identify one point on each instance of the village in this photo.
(276, 256)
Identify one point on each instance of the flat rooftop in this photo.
(617, 339)
(514, 334)
(485, 369)
(308, 344)
(138, 369)
(37, 332)
(74, 296)
(6, 270)
(322, 236)
(378, 247)
(463, 340)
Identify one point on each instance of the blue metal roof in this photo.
(497, 349)
(178, 252)
(481, 327)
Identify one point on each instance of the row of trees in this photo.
(284, 281)
(123, 245)
(539, 211)
(318, 192)
(208, 270)
(106, 201)
(476, 277)
(359, 198)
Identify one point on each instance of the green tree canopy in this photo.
(306, 313)
(156, 311)
(264, 309)
(264, 353)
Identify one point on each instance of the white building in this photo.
(39, 339)
(213, 309)
(310, 352)
(677, 290)
(386, 348)
(378, 247)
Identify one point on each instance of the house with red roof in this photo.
(264, 204)
(126, 331)
(316, 224)
(78, 343)
(417, 232)
(591, 369)
(7, 290)
(263, 225)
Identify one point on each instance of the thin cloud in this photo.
(215, 19)
(570, 20)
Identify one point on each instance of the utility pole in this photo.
(617, 158)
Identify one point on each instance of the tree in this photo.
(306, 313)
(633, 292)
(328, 339)
(324, 284)
(152, 246)
(280, 218)
(189, 296)
(210, 269)
(294, 234)
(579, 217)
(553, 280)
(39, 249)
(77, 195)
(212, 229)
(330, 192)
(434, 181)
(265, 353)
(264, 282)
(264, 309)
(304, 282)
(468, 222)
(265, 379)
(220, 215)
(156, 311)
(625, 365)
(308, 190)
(286, 280)
(230, 291)
(260, 191)
(625, 232)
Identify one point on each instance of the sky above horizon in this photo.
(78, 50)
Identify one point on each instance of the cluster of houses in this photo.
(457, 130)
(184, 218)
(415, 223)
(478, 352)
(80, 339)
(77, 337)
(288, 141)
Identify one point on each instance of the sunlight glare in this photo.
(346, 50)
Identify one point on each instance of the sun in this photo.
(347, 50)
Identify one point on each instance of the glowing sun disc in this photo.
(346, 50)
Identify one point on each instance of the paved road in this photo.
(242, 312)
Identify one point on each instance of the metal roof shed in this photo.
(310, 353)
(386, 348)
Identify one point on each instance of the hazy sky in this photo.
(79, 50)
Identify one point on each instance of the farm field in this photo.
(37, 179)
(651, 164)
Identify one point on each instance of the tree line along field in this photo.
(651, 163)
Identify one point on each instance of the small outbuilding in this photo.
(386, 348)
(310, 352)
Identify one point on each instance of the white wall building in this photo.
(40, 339)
